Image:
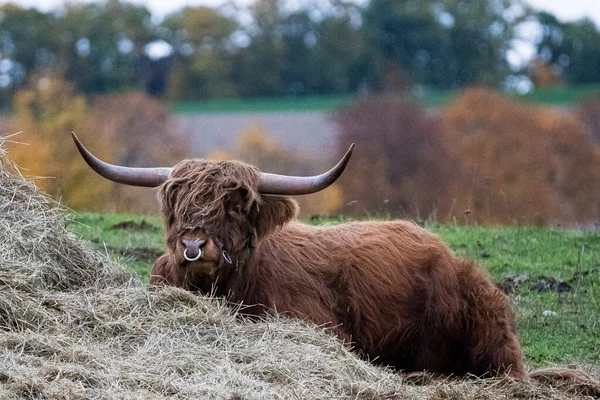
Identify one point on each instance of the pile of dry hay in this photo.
(75, 325)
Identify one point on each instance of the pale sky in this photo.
(569, 10)
(566, 10)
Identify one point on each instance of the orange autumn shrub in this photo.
(46, 113)
(401, 166)
(128, 129)
(523, 162)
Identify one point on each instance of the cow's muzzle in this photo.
(193, 249)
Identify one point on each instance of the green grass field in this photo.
(559, 96)
(563, 96)
(562, 268)
(215, 106)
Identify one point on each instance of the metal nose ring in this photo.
(192, 259)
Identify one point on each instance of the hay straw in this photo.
(76, 325)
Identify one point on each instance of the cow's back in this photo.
(377, 282)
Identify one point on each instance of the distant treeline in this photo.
(270, 49)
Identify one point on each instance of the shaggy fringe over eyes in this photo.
(196, 193)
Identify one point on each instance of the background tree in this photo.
(443, 44)
(314, 49)
(202, 59)
(340, 54)
(572, 48)
(544, 74)
(102, 45)
(496, 159)
(28, 40)
(258, 66)
(323, 51)
(276, 48)
(588, 112)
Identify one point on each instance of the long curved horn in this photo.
(148, 177)
(297, 185)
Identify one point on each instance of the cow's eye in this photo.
(237, 209)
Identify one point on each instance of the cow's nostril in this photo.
(193, 249)
(198, 243)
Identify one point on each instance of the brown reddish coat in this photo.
(390, 289)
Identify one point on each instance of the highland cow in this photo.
(390, 289)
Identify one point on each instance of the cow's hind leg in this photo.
(491, 338)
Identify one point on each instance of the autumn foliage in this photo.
(46, 114)
(588, 113)
(523, 162)
(129, 129)
(484, 158)
(401, 166)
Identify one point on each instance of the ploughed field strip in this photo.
(75, 324)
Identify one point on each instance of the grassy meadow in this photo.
(556, 96)
(551, 275)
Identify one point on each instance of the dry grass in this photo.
(76, 325)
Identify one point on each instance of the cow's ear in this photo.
(272, 213)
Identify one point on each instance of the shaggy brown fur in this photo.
(391, 289)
